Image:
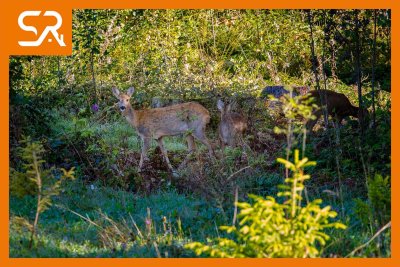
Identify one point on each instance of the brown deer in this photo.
(338, 106)
(232, 125)
(186, 118)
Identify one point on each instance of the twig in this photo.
(216, 229)
(389, 224)
(81, 216)
(156, 248)
(39, 197)
(235, 205)
(233, 174)
(137, 228)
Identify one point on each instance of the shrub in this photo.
(268, 228)
(376, 210)
(47, 184)
(379, 195)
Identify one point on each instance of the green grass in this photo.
(191, 215)
(64, 234)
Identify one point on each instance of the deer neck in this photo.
(129, 114)
(223, 115)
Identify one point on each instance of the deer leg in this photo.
(191, 143)
(240, 140)
(311, 123)
(233, 140)
(145, 147)
(191, 148)
(340, 120)
(164, 152)
(221, 139)
(222, 143)
(200, 135)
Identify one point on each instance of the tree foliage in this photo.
(170, 52)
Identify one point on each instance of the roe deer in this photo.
(186, 118)
(338, 106)
(232, 125)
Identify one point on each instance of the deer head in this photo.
(232, 124)
(123, 103)
(223, 108)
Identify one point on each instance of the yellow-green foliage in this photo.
(20, 184)
(376, 210)
(268, 228)
(33, 178)
(33, 173)
(379, 195)
(296, 110)
(25, 182)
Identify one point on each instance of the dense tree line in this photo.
(171, 51)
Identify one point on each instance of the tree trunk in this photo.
(92, 71)
(358, 67)
(59, 72)
(314, 65)
(373, 70)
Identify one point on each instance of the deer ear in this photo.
(230, 105)
(220, 104)
(130, 91)
(115, 92)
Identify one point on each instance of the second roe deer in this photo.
(338, 106)
(187, 118)
(232, 125)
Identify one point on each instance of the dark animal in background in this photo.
(232, 125)
(279, 90)
(338, 106)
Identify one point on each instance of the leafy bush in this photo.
(376, 210)
(379, 193)
(270, 229)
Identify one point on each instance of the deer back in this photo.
(336, 103)
(171, 120)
